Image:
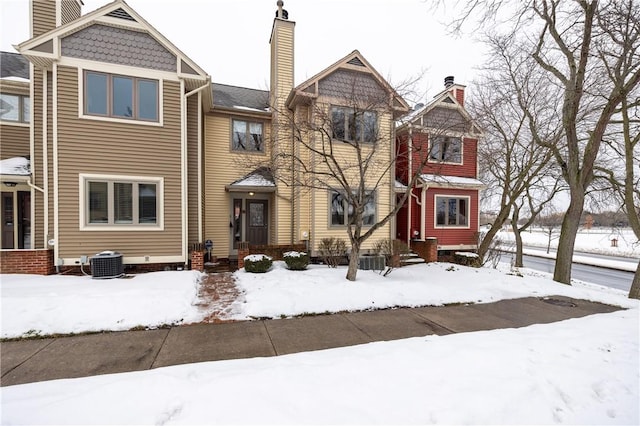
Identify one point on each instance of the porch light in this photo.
(250, 193)
(10, 184)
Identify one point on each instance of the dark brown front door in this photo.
(257, 223)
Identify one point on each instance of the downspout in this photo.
(45, 157)
(183, 171)
(293, 178)
(56, 201)
(32, 151)
(410, 174)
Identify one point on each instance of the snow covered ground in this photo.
(579, 371)
(595, 240)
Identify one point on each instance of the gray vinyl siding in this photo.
(110, 148)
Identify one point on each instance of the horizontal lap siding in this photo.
(222, 167)
(15, 141)
(44, 16)
(322, 227)
(91, 146)
(220, 170)
(37, 200)
(466, 169)
(452, 236)
(193, 110)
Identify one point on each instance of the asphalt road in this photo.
(593, 274)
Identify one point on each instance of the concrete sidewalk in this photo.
(28, 361)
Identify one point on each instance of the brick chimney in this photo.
(457, 90)
(46, 15)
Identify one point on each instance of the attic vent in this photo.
(107, 264)
(447, 101)
(120, 13)
(356, 61)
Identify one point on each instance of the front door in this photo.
(257, 223)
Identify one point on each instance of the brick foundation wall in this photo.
(243, 251)
(38, 262)
(427, 249)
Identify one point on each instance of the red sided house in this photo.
(439, 142)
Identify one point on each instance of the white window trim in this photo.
(461, 163)
(82, 115)
(346, 123)
(19, 123)
(245, 151)
(435, 212)
(85, 226)
(346, 218)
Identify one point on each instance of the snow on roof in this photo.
(250, 109)
(254, 180)
(16, 166)
(452, 181)
(12, 78)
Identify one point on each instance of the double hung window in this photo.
(351, 125)
(341, 211)
(247, 136)
(446, 149)
(452, 211)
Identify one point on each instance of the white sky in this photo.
(229, 39)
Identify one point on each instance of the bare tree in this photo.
(514, 167)
(346, 149)
(550, 224)
(535, 200)
(577, 43)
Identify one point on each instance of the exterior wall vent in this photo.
(107, 264)
(356, 61)
(120, 13)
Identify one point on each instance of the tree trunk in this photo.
(567, 241)
(354, 258)
(634, 291)
(518, 236)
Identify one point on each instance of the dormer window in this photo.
(353, 125)
(446, 149)
(118, 96)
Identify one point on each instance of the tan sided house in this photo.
(115, 136)
(114, 141)
(260, 147)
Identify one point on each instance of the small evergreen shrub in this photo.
(296, 260)
(332, 251)
(257, 263)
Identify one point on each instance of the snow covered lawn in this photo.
(595, 240)
(41, 305)
(584, 370)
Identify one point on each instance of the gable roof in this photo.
(240, 98)
(45, 48)
(259, 180)
(354, 61)
(13, 65)
(444, 99)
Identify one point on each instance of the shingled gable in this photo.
(443, 100)
(44, 49)
(353, 62)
